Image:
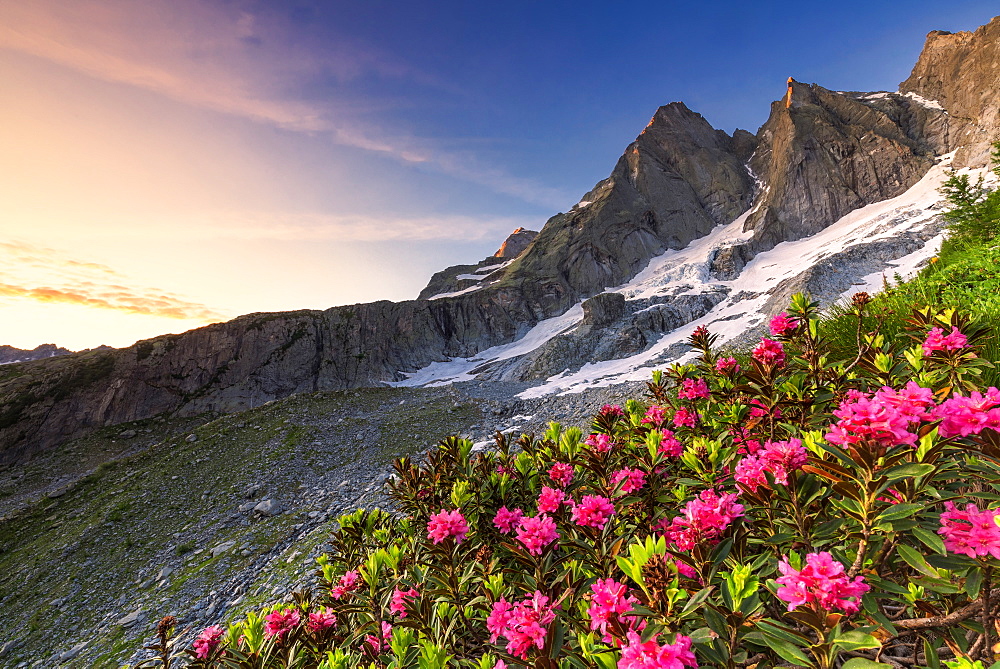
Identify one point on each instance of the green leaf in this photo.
(862, 663)
(787, 651)
(909, 471)
(898, 511)
(933, 662)
(930, 539)
(856, 640)
(916, 560)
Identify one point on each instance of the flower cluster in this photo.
(704, 520)
(693, 389)
(727, 366)
(446, 524)
(937, 340)
(550, 499)
(655, 415)
(669, 445)
(961, 416)
(380, 645)
(601, 443)
(506, 520)
(769, 352)
(822, 582)
(523, 624)
(777, 458)
(321, 620)
(593, 511)
(685, 418)
(783, 325)
(207, 641)
(561, 473)
(630, 479)
(610, 602)
(884, 418)
(971, 532)
(651, 655)
(279, 623)
(537, 532)
(399, 599)
(348, 583)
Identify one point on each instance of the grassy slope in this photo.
(101, 543)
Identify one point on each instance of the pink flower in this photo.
(938, 341)
(612, 410)
(862, 419)
(601, 443)
(501, 469)
(894, 497)
(961, 416)
(608, 602)
(500, 665)
(971, 532)
(705, 518)
(693, 389)
(506, 520)
(561, 473)
(651, 655)
(536, 533)
(399, 598)
(348, 583)
(634, 479)
(655, 415)
(912, 402)
(685, 418)
(822, 583)
(727, 366)
(522, 624)
(446, 524)
(783, 325)
(593, 511)
(377, 645)
(321, 620)
(669, 445)
(769, 352)
(208, 641)
(280, 623)
(550, 499)
(779, 458)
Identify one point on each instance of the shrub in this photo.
(802, 509)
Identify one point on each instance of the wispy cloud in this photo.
(41, 274)
(226, 58)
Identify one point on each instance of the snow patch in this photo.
(454, 293)
(930, 104)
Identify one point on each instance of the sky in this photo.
(165, 164)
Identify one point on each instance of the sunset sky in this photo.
(170, 163)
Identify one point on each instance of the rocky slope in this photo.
(811, 164)
(9, 354)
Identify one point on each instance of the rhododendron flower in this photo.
(593, 511)
(608, 602)
(961, 416)
(612, 410)
(669, 445)
(693, 389)
(651, 655)
(822, 583)
(778, 458)
(506, 520)
(348, 583)
(502, 469)
(321, 620)
(561, 473)
(399, 597)
(634, 479)
(761, 412)
(912, 402)
(971, 532)
(727, 366)
(938, 341)
(783, 325)
(769, 352)
(522, 624)
(550, 499)
(862, 418)
(536, 533)
(377, 645)
(655, 415)
(500, 665)
(207, 641)
(280, 623)
(705, 518)
(446, 524)
(601, 443)
(685, 418)
(894, 497)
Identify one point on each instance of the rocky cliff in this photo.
(820, 155)
(9, 354)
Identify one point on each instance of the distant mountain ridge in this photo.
(820, 156)
(9, 354)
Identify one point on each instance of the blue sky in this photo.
(219, 158)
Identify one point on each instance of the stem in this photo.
(987, 614)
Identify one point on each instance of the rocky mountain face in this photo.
(814, 162)
(9, 354)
